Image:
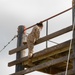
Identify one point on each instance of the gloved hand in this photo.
(24, 43)
(35, 42)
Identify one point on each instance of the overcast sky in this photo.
(29, 12)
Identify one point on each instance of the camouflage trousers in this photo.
(30, 47)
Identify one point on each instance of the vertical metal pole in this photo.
(73, 22)
(19, 67)
(46, 33)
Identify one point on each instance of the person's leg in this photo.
(30, 53)
(30, 47)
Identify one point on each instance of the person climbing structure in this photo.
(32, 37)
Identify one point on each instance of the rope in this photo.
(66, 73)
(57, 14)
(8, 43)
(51, 17)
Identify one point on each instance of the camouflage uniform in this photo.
(32, 37)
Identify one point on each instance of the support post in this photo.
(20, 54)
(46, 33)
(73, 22)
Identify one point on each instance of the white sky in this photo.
(28, 12)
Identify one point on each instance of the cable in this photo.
(8, 43)
(69, 53)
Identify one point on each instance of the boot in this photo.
(30, 62)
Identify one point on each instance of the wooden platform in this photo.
(51, 60)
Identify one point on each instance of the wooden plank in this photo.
(44, 53)
(52, 70)
(70, 72)
(44, 65)
(73, 22)
(60, 32)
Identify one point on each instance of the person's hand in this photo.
(24, 43)
(35, 42)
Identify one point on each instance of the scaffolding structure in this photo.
(51, 60)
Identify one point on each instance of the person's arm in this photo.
(37, 33)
